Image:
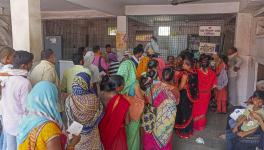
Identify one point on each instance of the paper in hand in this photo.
(75, 128)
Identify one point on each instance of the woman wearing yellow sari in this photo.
(41, 128)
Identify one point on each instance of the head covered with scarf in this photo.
(41, 107)
(83, 105)
(81, 84)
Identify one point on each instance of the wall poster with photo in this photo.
(207, 47)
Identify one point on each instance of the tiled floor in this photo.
(215, 127)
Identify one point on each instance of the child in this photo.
(14, 97)
(253, 116)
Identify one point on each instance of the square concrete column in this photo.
(26, 26)
(244, 43)
(121, 37)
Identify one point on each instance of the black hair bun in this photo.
(105, 78)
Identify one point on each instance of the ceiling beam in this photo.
(107, 6)
(82, 14)
(186, 9)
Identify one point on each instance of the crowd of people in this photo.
(135, 102)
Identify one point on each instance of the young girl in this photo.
(222, 80)
(253, 116)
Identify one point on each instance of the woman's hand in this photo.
(235, 130)
(256, 116)
(73, 142)
(241, 134)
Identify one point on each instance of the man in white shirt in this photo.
(234, 63)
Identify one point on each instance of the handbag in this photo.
(149, 116)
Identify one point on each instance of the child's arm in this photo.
(239, 123)
(245, 133)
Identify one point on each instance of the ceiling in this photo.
(165, 2)
(63, 5)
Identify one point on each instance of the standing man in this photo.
(234, 63)
(99, 60)
(15, 90)
(69, 74)
(45, 70)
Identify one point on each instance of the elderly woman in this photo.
(84, 107)
(41, 128)
(95, 76)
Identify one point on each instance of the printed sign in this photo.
(210, 31)
(207, 47)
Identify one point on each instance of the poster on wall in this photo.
(207, 47)
(121, 40)
(210, 31)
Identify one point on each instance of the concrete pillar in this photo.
(244, 43)
(26, 26)
(121, 35)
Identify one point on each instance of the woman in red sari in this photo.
(112, 127)
(206, 82)
(119, 110)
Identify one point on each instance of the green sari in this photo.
(127, 70)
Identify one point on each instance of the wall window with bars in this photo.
(81, 33)
(179, 32)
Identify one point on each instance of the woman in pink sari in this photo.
(206, 82)
(159, 114)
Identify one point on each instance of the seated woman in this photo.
(41, 128)
(117, 111)
(84, 107)
(251, 121)
(159, 114)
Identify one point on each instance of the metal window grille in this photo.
(81, 32)
(184, 31)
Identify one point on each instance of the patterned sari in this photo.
(83, 106)
(161, 98)
(112, 126)
(42, 121)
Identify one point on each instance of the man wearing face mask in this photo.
(206, 82)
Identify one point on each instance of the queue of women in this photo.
(138, 106)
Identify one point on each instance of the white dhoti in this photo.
(232, 91)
